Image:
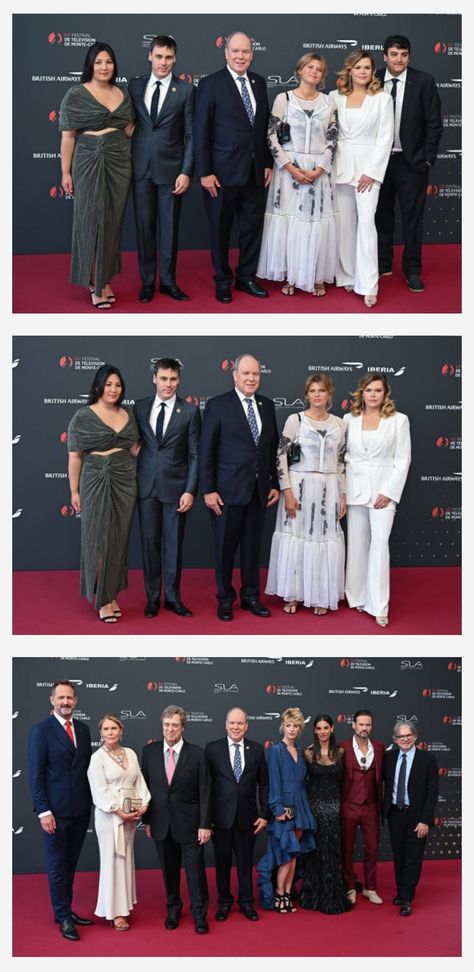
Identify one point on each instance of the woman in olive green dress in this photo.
(102, 439)
(96, 120)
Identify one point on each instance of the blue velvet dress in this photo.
(287, 789)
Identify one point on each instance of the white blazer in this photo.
(366, 149)
(384, 468)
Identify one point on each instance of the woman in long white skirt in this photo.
(307, 552)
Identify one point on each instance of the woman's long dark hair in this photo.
(332, 747)
(88, 69)
(98, 384)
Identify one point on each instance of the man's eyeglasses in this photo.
(408, 735)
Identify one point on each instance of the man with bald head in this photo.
(234, 163)
(238, 477)
(239, 797)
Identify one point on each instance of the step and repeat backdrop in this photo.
(425, 690)
(49, 52)
(52, 377)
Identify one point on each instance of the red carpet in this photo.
(40, 286)
(424, 600)
(434, 929)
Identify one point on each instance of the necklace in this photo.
(118, 757)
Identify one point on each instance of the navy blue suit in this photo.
(58, 783)
(228, 146)
(243, 474)
(234, 812)
(165, 470)
(161, 151)
(407, 173)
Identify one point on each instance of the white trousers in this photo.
(368, 559)
(358, 258)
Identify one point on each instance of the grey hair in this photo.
(172, 710)
(234, 707)
(405, 722)
(246, 354)
(229, 37)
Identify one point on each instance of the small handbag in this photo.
(293, 452)
(283, 130)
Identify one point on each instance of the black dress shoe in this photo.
(171, 922)
(77, 920)
(172, 290)
(397, 900)
(222, 913)
(249, 912)
(250, 287)
(405, 909)
(146, 294)
(224, 612)
(256, 608)
(223, 293)
(201, 926)
(68, 930)
(151, 609)
(178, 608)
(415, 284)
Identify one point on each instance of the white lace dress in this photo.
(299, 235)
(307, 552)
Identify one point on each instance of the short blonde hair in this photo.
(292, 715)
(345, 83)
(306, 59)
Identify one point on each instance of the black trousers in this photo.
(171, 854)
(239, 526)
(409, 187)
(247, 205)
(62, 854)
(156, 206)
(241, 843)
(408, 851)
(162, 535)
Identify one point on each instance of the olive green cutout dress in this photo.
(101, 174)
(108, 493)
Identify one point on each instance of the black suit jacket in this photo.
(235, 804)
(58, 769)
(167, 145)
(420, 123)
(183, 807)
(225, 142)
(169, 469)
(229, 461)
(423, 784)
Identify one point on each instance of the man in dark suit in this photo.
(237, 463)
(238, 773)
(411, 792)
(234, 163)
(361, 801)
(59, 753)
(167, 484)
(418, 130)
(162, 158)
(179, 815)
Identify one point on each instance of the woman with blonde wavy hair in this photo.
(377, 458)
(366, 127)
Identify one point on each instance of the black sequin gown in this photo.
(322, 886)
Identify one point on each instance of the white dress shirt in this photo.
(155, 411)
(410, 755)
(248, 85)
(401, 78)
(369, 756)
(177, 749)
(232, 752)
(246, 408)
(164, 85)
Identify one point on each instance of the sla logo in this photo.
(221, 687)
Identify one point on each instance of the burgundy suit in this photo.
(361, 800)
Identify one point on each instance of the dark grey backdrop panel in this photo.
(49, 52)
(427, 690)
(52, 377)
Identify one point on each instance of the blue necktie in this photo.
(160, 422)
(252, 420)
(246, 101)
(401, 783)
(237, 762)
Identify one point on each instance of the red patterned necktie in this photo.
(68, 728)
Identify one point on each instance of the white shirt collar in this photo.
(391, 77)
(164, 82)
(177, 746)
(243, 397)
(61, 720)
(235, 75)
(160, 401)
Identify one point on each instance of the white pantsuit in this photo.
(376, 463)
(109, 783)
(363, 148)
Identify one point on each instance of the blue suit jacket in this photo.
(235, 804)
(58, 769)
(225, 143)
(166, 145)
(169, 469)
(229, 461)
